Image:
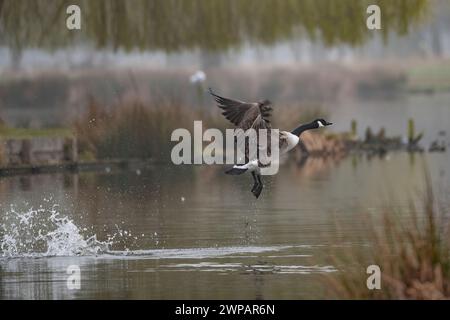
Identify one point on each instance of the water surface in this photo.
(193, 232)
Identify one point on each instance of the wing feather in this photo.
(244, 115)
(247, 115)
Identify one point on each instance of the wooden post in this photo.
(25, 152)
(74, 156)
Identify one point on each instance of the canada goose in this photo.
(255, 115)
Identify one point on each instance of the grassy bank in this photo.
(24, 133)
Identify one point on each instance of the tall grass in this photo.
(412, 251)
(134, 129)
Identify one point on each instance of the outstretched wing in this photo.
(244, 115)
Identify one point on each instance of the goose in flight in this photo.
(256, 115)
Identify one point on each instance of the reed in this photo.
(134, 129)
(412, 251)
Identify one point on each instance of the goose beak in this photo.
(328, 123)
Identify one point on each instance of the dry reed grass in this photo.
(412, 251)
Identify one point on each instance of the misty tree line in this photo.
(210, 25)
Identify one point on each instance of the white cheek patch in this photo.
(320, 124)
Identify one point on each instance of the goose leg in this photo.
(255, 181)
(257, 191)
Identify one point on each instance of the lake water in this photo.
(186, 233)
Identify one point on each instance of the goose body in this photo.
(255, 115)
(291, 141)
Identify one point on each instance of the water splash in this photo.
(45, 232)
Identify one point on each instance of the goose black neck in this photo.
(299, 130)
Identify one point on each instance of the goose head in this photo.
(322, 123)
